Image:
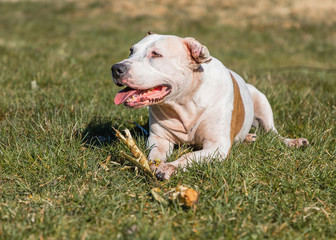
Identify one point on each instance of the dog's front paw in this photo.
(165, 171)
(152, 167)
(154, 164)
(296, 142)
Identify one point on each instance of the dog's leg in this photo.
(250, 138)
(295, 142)
(263, 116)
(166, 170)
(160, 148)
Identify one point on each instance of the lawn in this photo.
(61, 171)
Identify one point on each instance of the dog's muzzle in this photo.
(119, 70)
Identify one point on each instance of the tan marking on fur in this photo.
(238, 112)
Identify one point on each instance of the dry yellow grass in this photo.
(285, 13)
(236, 12)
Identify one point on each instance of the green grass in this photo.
(51, 182)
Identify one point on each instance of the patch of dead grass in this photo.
(285, 13)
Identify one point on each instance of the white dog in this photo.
(192, 97)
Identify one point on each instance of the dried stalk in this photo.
(140, 159)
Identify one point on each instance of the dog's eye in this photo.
(131, 51)
(155, 54)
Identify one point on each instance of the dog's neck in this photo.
(183, 112)
(188, 88)
(180, 121)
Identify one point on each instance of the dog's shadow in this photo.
(99, 132)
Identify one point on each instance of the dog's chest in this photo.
(177, 127)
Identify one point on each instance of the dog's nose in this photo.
(118, 70)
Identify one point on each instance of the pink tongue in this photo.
(123, 95)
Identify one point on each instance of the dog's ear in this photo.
(149, 33)
(199, 53)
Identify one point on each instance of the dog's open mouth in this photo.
(140, 98)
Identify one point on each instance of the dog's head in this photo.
(158, 69)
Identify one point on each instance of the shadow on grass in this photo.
(99, 132)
